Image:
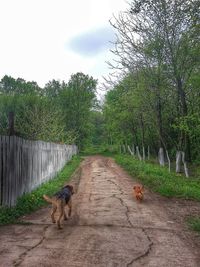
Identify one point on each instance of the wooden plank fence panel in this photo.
(20, 184)
(1, 177)
(5, 175)
(11, 170)
(17, 167)
(24, 165)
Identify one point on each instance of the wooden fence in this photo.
(24, 165)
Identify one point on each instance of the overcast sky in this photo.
(41, 40)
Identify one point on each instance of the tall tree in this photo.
(11, 86)
(161, 35)
(77, 100)
(52, 88)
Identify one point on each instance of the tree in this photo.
(53, 88)
(162, 37)
(77, 100)
(10, 86)
(36, 118)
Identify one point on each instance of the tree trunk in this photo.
(159, 120)
(142, 128)
(169, 162)
(161, 157)
(188, 147)
(148, 153)
(185, 165)
(124, 149)
(131, 152)
(143, 153)
(11, 128)
(138, 153)
(178, 161)
(184, 112)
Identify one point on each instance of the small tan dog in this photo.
(138, 192)
(59, 201)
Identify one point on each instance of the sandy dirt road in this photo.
(107, 228)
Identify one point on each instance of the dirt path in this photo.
(108, 228)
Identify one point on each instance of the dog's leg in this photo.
(54, 208)
(65, 216)
(61, 212)
(70, 208)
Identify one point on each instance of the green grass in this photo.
(194, 223)
(159, 180)
(34, 200)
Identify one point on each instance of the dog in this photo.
(138, 192)
(59, 201)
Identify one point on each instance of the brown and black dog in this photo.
(59, 201)
(138, 192)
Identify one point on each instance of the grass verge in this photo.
(34, 200)
(158, 179)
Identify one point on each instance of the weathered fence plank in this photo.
(1, 182)
(24, 165)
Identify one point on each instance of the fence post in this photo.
(11, 127)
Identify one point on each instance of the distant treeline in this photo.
(59, 112)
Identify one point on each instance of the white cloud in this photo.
(34, 34)
(93, 42)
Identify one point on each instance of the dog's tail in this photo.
(48, 199)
